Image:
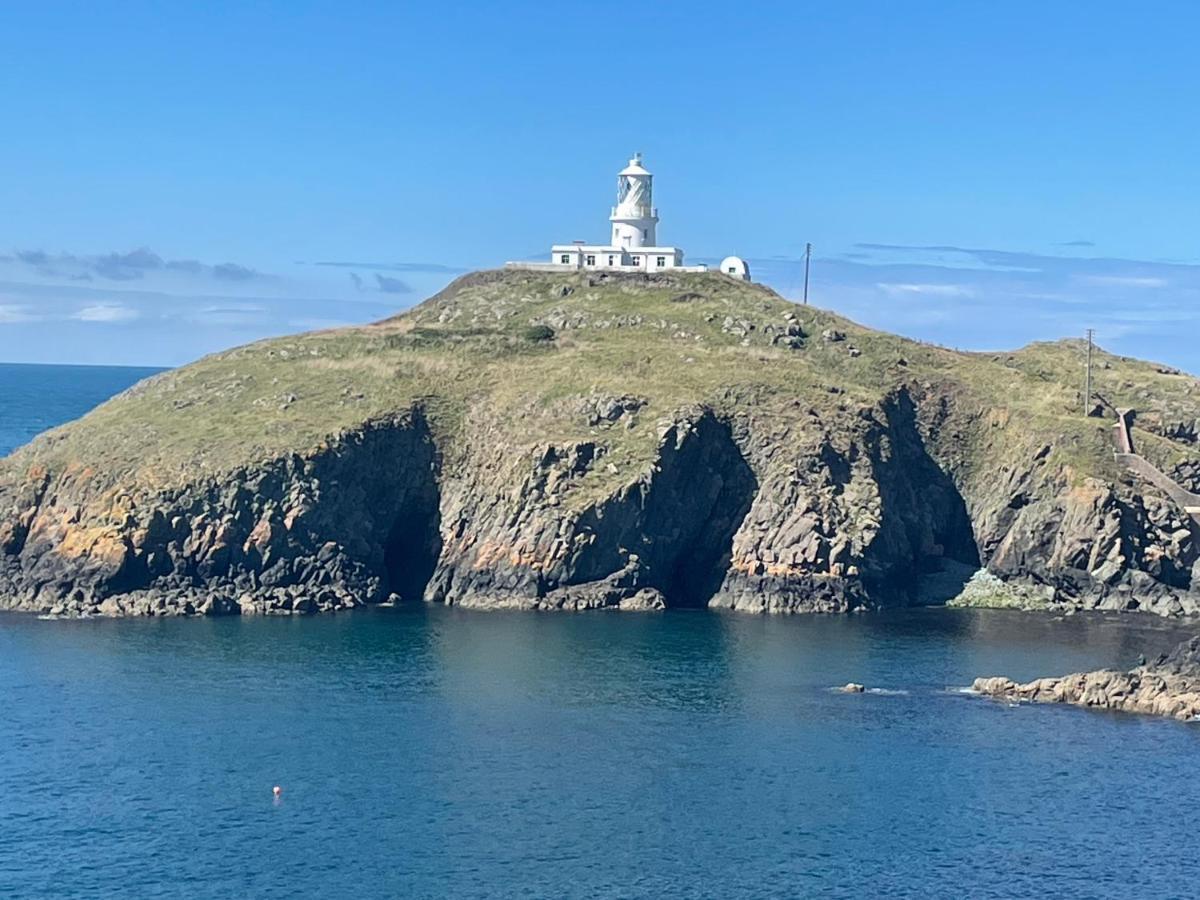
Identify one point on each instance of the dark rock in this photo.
(368, 534)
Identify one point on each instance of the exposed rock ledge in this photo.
(1168, 687)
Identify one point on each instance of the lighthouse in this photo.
(634, 218)
(633, 244)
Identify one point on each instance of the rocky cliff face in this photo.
(654, 456)
(347, 525)
(1087, 542)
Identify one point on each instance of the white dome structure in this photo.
(736, 267)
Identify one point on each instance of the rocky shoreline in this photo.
(1170, 686)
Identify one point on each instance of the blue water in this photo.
(442, 753)
(431, 752)
(34, 398)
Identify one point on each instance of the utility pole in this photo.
(807, 260)
(1087, 389)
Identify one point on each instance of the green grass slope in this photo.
(517, 354)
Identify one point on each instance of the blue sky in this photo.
(176, 179)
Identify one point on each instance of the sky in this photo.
(180, 178)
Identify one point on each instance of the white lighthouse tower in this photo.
(634, 243)
(634, 218)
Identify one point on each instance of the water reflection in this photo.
(680, 660)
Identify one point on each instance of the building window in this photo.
(733, 270)
(660, 261)
(565, 259)
(645, 234)
(610, 259)
(591, 260)
(637, 260)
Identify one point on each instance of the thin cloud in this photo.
(412, 267)
(129, 266)
(106, 312)
(243, 309)
(12, 312)
(232, 314)
(191, 266)
(233, 272)
(1138, 281)
(1021, 261)
(124, 266)
(1078, 244)
(948, 256)
(933, 290)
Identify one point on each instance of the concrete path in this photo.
(1126, 455)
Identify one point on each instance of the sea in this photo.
(34, 398)
(435, 752)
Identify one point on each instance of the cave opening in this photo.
(693, 511)
(925, 550)
(412, 548)
(413, 542)
(679, 522)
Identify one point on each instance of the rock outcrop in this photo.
(664, 537)
(1168, 687)
(660, 442)
(354, 523)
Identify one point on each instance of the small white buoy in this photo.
(277, 790)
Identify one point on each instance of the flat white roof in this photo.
(598, 248)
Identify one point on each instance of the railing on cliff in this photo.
(1126, 455)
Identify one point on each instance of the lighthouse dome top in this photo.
(635, 166)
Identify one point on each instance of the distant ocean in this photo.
(427, 751)
(34, 398)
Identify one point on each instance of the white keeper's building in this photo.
(634, 244)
